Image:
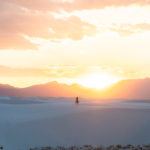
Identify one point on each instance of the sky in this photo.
(74, 41)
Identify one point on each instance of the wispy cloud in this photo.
(128, 29)
(71, 5)
(51, 72)
(18, 20)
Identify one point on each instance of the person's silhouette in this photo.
(77, 100)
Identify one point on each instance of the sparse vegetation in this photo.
(89, 147)
(1, 147)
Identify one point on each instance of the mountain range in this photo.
(125, 89)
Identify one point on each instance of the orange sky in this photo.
(70, 41)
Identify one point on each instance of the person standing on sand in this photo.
(77, 100)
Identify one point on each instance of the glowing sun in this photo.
(98, 80)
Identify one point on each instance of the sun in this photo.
(98, 80)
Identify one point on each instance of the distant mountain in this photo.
(7, 90)
(52, 89)
(130, 89)
(125, 89)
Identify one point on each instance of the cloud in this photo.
(21, 72)
(71, 5)
(24, 18)
(72, 28)
(51, 72)
(128, 29)
(17, 22)
(97, 4)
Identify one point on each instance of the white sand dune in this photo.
(61, 122)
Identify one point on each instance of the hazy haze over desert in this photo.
(36, 122)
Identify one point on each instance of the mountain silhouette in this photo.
(125, 89)
(130, 89)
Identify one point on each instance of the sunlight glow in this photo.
(98, 80)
